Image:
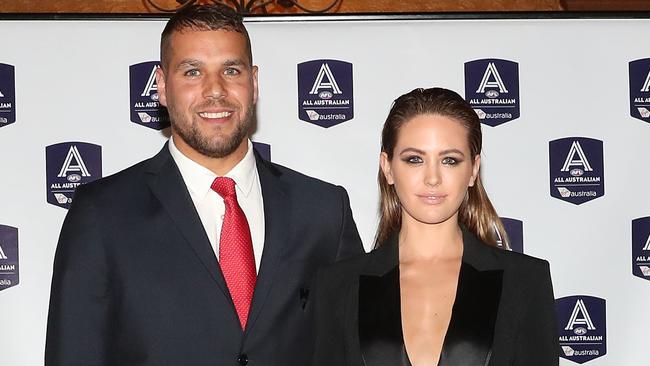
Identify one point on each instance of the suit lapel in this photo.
(167, 185)
(275, 195)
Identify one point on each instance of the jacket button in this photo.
(242, 359)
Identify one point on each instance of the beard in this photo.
(216, 145)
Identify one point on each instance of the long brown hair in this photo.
(476, 212)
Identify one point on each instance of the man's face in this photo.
(210, 89)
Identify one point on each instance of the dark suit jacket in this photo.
(136, 281)
(503, 314)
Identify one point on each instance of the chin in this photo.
(429, 218)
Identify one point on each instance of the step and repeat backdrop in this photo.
(565, 106)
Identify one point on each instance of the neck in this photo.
(426, 242)
(219, 166)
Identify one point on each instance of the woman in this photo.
(439, 288)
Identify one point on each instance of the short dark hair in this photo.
(203, 18)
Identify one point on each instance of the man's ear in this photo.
(160, 83)
(384, 163)
(255, 85)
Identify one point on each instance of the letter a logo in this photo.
(580, 308)
(491, 79)
(646, 85)
(576, 149)
(151, 83)
(1, 95)
(69, 166)
(2, 254)
(325, 72)
(647, 244)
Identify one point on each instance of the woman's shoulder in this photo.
(346, 267)
(524, 267)
(523, 270)
(520, 260)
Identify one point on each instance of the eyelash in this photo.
(414, 159)
(450, 161)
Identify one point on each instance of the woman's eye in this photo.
(413, 159)
(450, 161)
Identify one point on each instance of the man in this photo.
(171, 263)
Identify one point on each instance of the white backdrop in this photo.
(72, 84)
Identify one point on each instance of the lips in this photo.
(432, 198)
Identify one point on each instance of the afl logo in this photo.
(325, 94)
(580, 331)
(491, 94)
(154, 97)
(576, 172)
(73, 178)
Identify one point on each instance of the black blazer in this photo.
(503, 314)
(136, 281)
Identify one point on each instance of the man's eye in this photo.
(450, 161)
(231, 71)
(193, 72)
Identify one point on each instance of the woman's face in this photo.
(431, 168)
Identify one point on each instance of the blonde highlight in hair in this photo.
(476, 212)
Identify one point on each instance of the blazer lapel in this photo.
(380, 322)
(275, 195)
(471, 330)
(167, 185)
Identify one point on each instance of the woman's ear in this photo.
(475, 169)
(384, 163)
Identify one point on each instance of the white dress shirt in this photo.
(210, 205)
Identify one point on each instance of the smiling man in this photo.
(205, 253)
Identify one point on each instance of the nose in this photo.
(213, 87)
(432, 175)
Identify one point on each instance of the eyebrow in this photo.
(190, 63)
(197, 63)
(234, 62)
(451, 151)
(422, 152)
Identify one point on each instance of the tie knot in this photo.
(224, 186)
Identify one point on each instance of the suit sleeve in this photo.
(329, 348)
(349, 242)
(537, 341)
(79, 313)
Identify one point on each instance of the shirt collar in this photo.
(199, 178)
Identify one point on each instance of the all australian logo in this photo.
(576, 169)
(582, 327)
(515, 230)
(8, 257)
(492, 89)
(325, 93)
(641, 247)
(7, 95)
(640, 89)
(145, 107)
(68, 165)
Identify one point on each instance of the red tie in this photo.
(236, 250)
